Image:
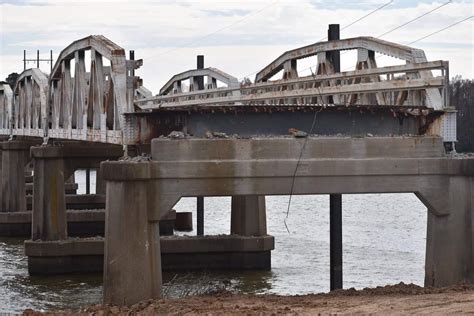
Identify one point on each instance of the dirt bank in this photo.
(395, 299)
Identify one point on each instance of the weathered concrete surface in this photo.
(196, 167)
(71, 188)
(248, 216)
(80, 223)
(52, 166)
(49, 203)
(15, 155)
(132, 258)
(78, 201)
(177, 253)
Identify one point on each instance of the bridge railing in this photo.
(315, 90)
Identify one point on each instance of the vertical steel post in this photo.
(24, 59)
(200, 65)
(88, 181)
(335, 200)
(200, 215)
(37, 58)
(51, 61)
(335, 241)
(132, 57)
(335, 55)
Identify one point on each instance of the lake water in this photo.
(383, 240)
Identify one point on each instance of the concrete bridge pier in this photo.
(15, 156)
(49, 201)
(248, 216)
(50, 251)
(450, 236)
(132, 257)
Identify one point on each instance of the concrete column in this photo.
(99, 182)
(49, 205)
(14, 159)
(248, 215)
(132, 262)
(449, 244)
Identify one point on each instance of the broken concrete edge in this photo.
(175, 244)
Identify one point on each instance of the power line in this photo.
(370, 13)
(412, 20)
(426, 36)
(214, 32)
(400, 26)
(444, 28)
(345, 27)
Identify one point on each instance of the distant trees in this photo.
(462, 98)
(11, 79)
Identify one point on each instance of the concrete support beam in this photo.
(15, 155)
(132, 262)
(248, 215)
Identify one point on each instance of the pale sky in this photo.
(238, 37)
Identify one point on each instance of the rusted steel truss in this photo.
(98, 103)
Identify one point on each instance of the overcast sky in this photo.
(239, 37)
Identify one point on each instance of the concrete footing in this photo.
(80, 223)
(177, 254)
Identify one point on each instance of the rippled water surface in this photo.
(384, 243)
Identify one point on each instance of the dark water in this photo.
(384, 243)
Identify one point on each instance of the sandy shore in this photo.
(396, 299)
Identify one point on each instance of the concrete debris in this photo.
(209, 135)
(297, 133)
(177, 135)
(140, 158)
(219, 135)
(370, 135)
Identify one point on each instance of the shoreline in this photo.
(390, 299)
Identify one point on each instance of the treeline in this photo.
(462, 98)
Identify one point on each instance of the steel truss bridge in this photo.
(103, 101)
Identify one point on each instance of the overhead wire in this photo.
(400, 26)
(214, 32)
(345, 27)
